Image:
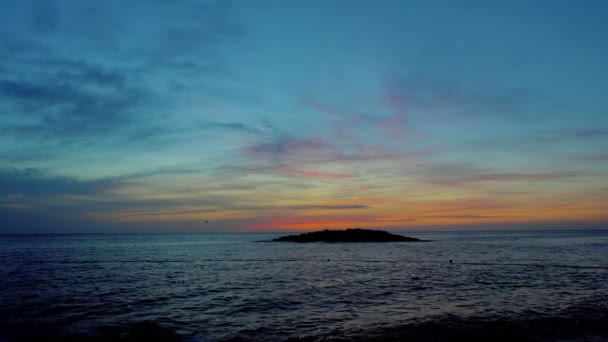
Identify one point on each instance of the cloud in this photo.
(118, 199)
(481, 217)
(397, 125)
(337, 112)
(593, 157)
(34, 182)
(305, 151)
(296, 156)
(345, 123)
(57, 85)
(330, 207)
(320, 157)
(45, 17)
(46, 94)
(282, 148)
(589, 133)
(313, 173)
(513, 176)
(458, 205)
(61, 106)
(14, 221)
(236, 126)
(201, 206)
(96, 80)
(436, 95)
(467, 174)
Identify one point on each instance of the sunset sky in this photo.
(126, 116)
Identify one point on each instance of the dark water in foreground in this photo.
(222, 286)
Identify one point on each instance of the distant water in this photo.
(218, 286)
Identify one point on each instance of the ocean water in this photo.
(210, 287)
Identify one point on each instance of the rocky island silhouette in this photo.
(348, 235)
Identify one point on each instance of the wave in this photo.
(148, 261)
(588, 322)
(496, 329)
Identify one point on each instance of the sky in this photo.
(156, 116)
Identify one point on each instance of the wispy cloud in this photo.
(438, 95)
(120, 87)
(67, 107)
(467, 174)
(283, 148)
(165, 114)
(34, 182)
(591, 133)
(397, 125)
(592, 157)
(293, 157)
(236, 126)
(513, 176)
(331, 207)
(466, 217)
(313, 173)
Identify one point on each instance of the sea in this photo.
(500, 285)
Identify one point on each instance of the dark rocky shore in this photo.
(348, 235)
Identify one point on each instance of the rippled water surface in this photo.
(215, 286)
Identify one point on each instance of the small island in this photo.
(348, 235)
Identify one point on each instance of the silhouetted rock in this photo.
(348, 235)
